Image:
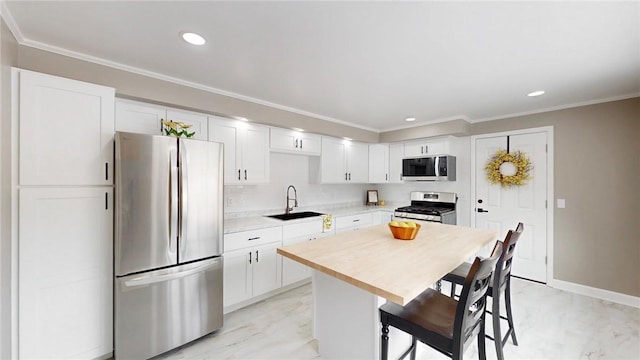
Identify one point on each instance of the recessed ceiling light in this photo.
(410, 119)
(347, 138)
(193, 38)
(298, 129)
(536, 93)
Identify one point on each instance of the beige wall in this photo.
(453, 127)
(8, 58)
(135, 86)
(597, 171)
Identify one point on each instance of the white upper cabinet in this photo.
(426, 147)
(143, 118)
(139, 117)
(344, 161)
(66, 131)
(396, 153)
(246, 150)
(197, 121)
(295, 142)
(358, 162)
(378, 163)
(385, 163)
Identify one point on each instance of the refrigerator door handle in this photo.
(173, 199)
(150, 279)
(184, 195)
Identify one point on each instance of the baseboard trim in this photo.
(602, 294)
(253, 300)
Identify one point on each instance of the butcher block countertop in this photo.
(397, 270)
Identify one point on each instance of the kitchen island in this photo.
(356, 272)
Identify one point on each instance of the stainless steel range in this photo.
(430, 206)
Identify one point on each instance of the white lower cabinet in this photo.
(293, 271)
(251, 264)
(385, 216)
(353, 222)
(65, 272)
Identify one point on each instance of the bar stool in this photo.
(441, 322)
(500, 285)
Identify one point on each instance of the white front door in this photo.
(502, 208)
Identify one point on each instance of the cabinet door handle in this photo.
(346, 177)
(386, 177)
(245, 174)
(106, 171)
(426, 149)
(238, 174)
(254, 238)
(300, 143)
(106, 201)
(349, 176)
(257, 256)
(250, 257)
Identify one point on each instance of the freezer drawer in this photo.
(160, 310)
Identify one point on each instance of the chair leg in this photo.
(497, 336)
(482, 351)
(507, 303)
(414, 347)
(384, 343)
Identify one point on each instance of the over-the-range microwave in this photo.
(429, 168)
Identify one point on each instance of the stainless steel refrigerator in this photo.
(168, 242)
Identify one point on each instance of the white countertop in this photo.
(250, 221)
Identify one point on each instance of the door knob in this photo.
(481, 210)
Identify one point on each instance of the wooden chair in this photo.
(500, 285)
(441, 322)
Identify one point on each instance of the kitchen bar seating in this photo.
(441, 322)
(501, 285)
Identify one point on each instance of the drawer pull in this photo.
(356, 220)
(254, 238)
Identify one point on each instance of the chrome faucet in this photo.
(295, 199)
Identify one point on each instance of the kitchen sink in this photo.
(293, 216)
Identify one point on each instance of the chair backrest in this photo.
(503, 267)
(473, 300)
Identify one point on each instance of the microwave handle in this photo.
(437, 166)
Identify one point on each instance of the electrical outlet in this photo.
(561, 203)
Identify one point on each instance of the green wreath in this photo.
(508, 169)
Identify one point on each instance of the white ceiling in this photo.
(369, 64)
